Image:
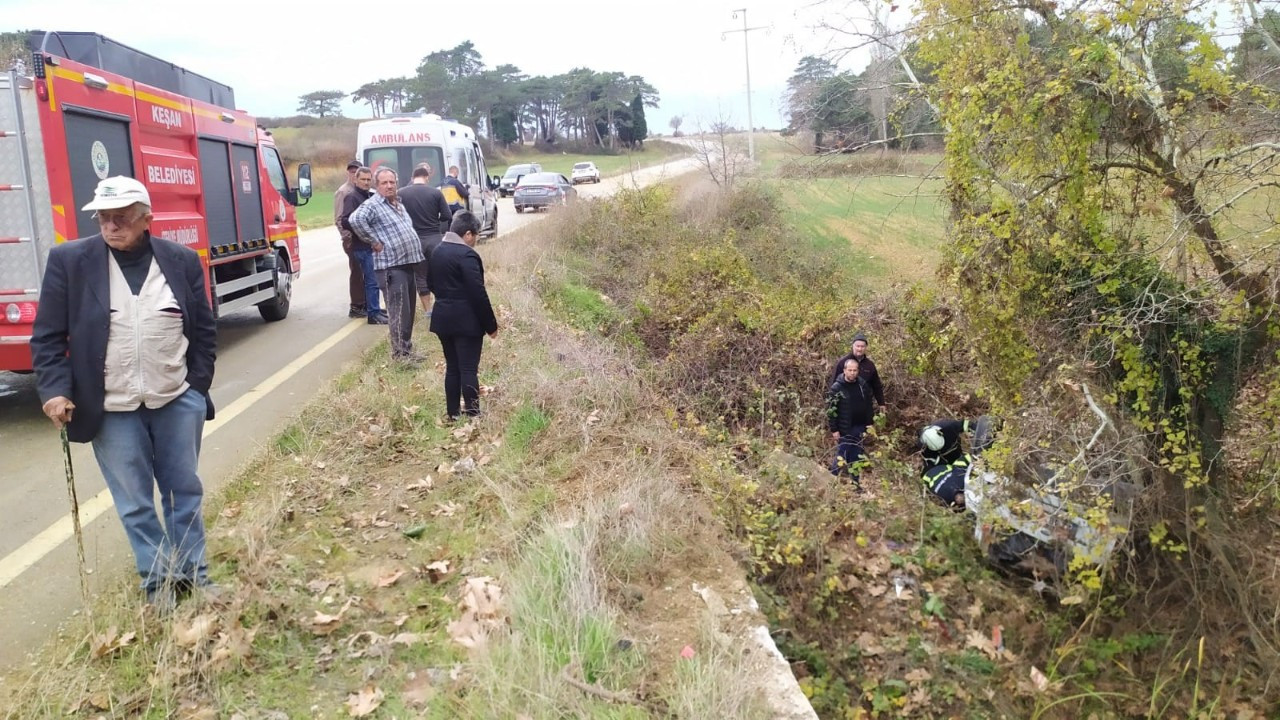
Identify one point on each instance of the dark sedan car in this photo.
(508, 184)
(544, 189)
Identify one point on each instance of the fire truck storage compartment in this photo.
(231, 194)
(97, 148)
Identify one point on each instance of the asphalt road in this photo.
(265, 373)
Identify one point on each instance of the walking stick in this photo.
(75, 518)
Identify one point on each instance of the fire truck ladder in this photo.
(16, 161)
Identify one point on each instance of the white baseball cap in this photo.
(118, 192)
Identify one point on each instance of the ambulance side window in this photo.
(275, 170)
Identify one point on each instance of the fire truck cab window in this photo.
(275, 169)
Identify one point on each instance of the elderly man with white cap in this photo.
(123, 349)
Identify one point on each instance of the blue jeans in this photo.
(849, 453)
(141, 450)
(364, 255)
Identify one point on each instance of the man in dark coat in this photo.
(866, 368)
(463, 314)
(123, 348)
(849, 412)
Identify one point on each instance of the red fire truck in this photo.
(88, 108)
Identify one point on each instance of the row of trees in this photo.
(584, 105)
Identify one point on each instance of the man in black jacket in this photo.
(431, 216)
(866, 369)
(361, 251)
(123, 348)
(849, 412)
(463, 314)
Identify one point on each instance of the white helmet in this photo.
(931, 437)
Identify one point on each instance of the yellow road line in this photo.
(47, 540)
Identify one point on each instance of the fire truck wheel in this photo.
(277, 308)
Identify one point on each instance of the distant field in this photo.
(883, 209)
(655, 151)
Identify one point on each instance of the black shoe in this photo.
(378, 319)
(357, 311)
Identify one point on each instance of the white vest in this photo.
(146, 350)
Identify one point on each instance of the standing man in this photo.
(361, 250)
(383, 222)
(356, 280)
(123, 348)
(455, 191)
(431, 217)
(849, 412)
(866, 369)
(463, 315)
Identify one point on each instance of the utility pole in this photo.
(746, 47)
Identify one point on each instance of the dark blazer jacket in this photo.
(457, 279)
(69, 339)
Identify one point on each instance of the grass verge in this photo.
(377, 562)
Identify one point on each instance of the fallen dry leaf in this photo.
(869, 645)
(324, 624)
(418, 691)
(389, 580)
(194, 631)
(425, 484)
(918, 676)
(319, 586)
(408, 639)
(979, 640)
(594, 417)
(481, 606)
(363, 703)
(109, 642)
(437, 570)
(1037, 677)
(100, 700)
(445, 509)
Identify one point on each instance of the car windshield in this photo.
(582, 166)
(515, 170)
(539, 179)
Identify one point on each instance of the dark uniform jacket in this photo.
(69, 338)
(951, 451)
(848, 404)
(457, 279)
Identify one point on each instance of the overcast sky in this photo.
(272, 52)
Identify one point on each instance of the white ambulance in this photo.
(403, 140)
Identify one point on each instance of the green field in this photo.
(884, 208)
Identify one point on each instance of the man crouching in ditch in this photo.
(123, 349)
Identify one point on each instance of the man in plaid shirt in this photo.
(384, 224)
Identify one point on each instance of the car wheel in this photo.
(519, 209)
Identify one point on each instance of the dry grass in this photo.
(578, 506)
